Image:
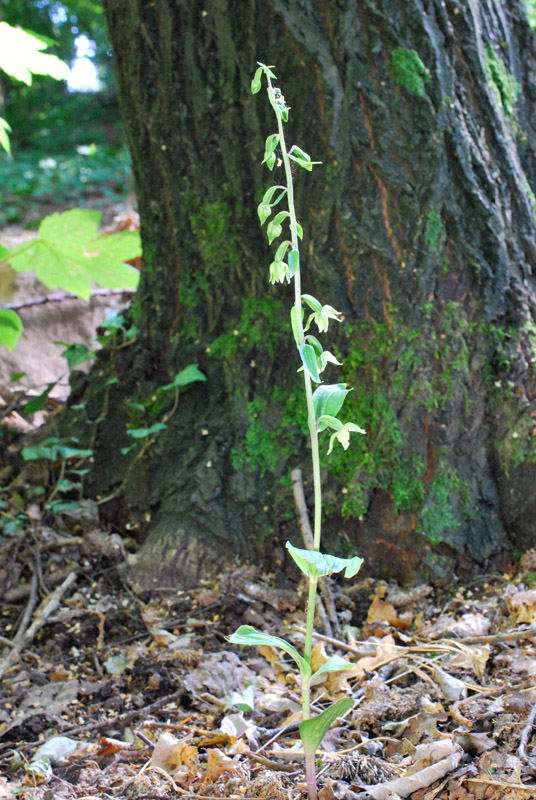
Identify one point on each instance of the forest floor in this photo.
(105, 694)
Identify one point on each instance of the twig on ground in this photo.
(28, 611)
(48, 607)
(524, 738)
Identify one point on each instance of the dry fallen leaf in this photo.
(521, 605)
(217, 764)
(171, 753)
(382, 611)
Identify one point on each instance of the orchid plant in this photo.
(323, 406)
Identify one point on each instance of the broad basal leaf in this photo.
(69, 254)
(248, 635)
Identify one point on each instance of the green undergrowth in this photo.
(70, 177)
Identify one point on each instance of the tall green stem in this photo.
(313, 432)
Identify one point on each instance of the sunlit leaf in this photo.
(21, 56)
(69, 254)
(10, 328)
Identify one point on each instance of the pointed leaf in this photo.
(313, 730)
(293, 262)
(329, 399)
(264, 211)
(256, 82)
(312, 302)
(282, 250)
(188, 375)
(328, 421)
(316, 564)
(308, 358)
(248, 635)
(333, 664)
(294, 324)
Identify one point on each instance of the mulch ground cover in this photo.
(106, 694)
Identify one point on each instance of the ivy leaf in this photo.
(10, 328)
(315, 564)
(69, 254)
(248, 635)
(142, 433)
(313, 730)
(188, 375)
(21, 56)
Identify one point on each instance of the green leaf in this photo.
(333, 664)
(142, 433)
(69, 254)
(10, 328)
(329, 399)
(269, 193)
(327, 421)
(312, 302)
(264, 212)
(75, 354)
(256, 82)
(315, 564)
(315, 344)
(294, 324)
(281, 250)
(248, 635)
(308, 358)
(313, 730)
(299, 230)
(299, 153)
(189, 374)
(270, 146)
(293, 262)
(305, 164)
(21, 56)
(39, 402)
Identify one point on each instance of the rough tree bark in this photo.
(420, 227)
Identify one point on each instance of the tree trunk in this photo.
(419, 226)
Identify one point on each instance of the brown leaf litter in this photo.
(106, 694)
